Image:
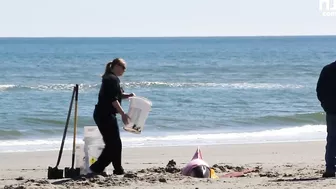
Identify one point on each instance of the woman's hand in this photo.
(128, 95)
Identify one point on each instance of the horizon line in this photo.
(182, 36)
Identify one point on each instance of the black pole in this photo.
(75, 129)
(66, 128)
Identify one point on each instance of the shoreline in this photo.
(181, 145)
(279, 165)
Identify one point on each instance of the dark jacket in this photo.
(110, 91)
(326, 88)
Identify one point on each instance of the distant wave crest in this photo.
(62, 87)
(223, 85)
(151, 84)
(47, 87)
(6, 87)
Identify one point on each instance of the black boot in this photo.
(328, 174)
(119, 171)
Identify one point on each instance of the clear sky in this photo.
(122, 18)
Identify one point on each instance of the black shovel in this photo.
(73, 172)
(54, 172)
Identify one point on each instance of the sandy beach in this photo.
(277, 165)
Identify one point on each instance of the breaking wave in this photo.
(299, 133)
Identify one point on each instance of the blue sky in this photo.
(122, 18)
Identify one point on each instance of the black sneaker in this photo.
(92, 173)
(104, 174)
(328, 174)
(119, 172)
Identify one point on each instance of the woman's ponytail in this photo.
(110, 65)
(108, 68)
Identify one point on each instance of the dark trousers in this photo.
(108, 127)
(330, 155)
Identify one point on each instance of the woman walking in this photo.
(108, 106)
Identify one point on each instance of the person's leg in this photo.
(330, 153)
(108, 127)
(105, 157)
(116, 149)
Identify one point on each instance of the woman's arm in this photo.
(124, 116)
(117, 106)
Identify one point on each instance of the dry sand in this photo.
(279, 165)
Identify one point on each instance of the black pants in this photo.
(330, 153)
(108, 127)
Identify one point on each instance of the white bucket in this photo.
(138, 111)
(93, 145)
(91, 132)
(80, 160)
(92, 136)
(91, 155)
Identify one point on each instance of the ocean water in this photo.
(215, 90)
